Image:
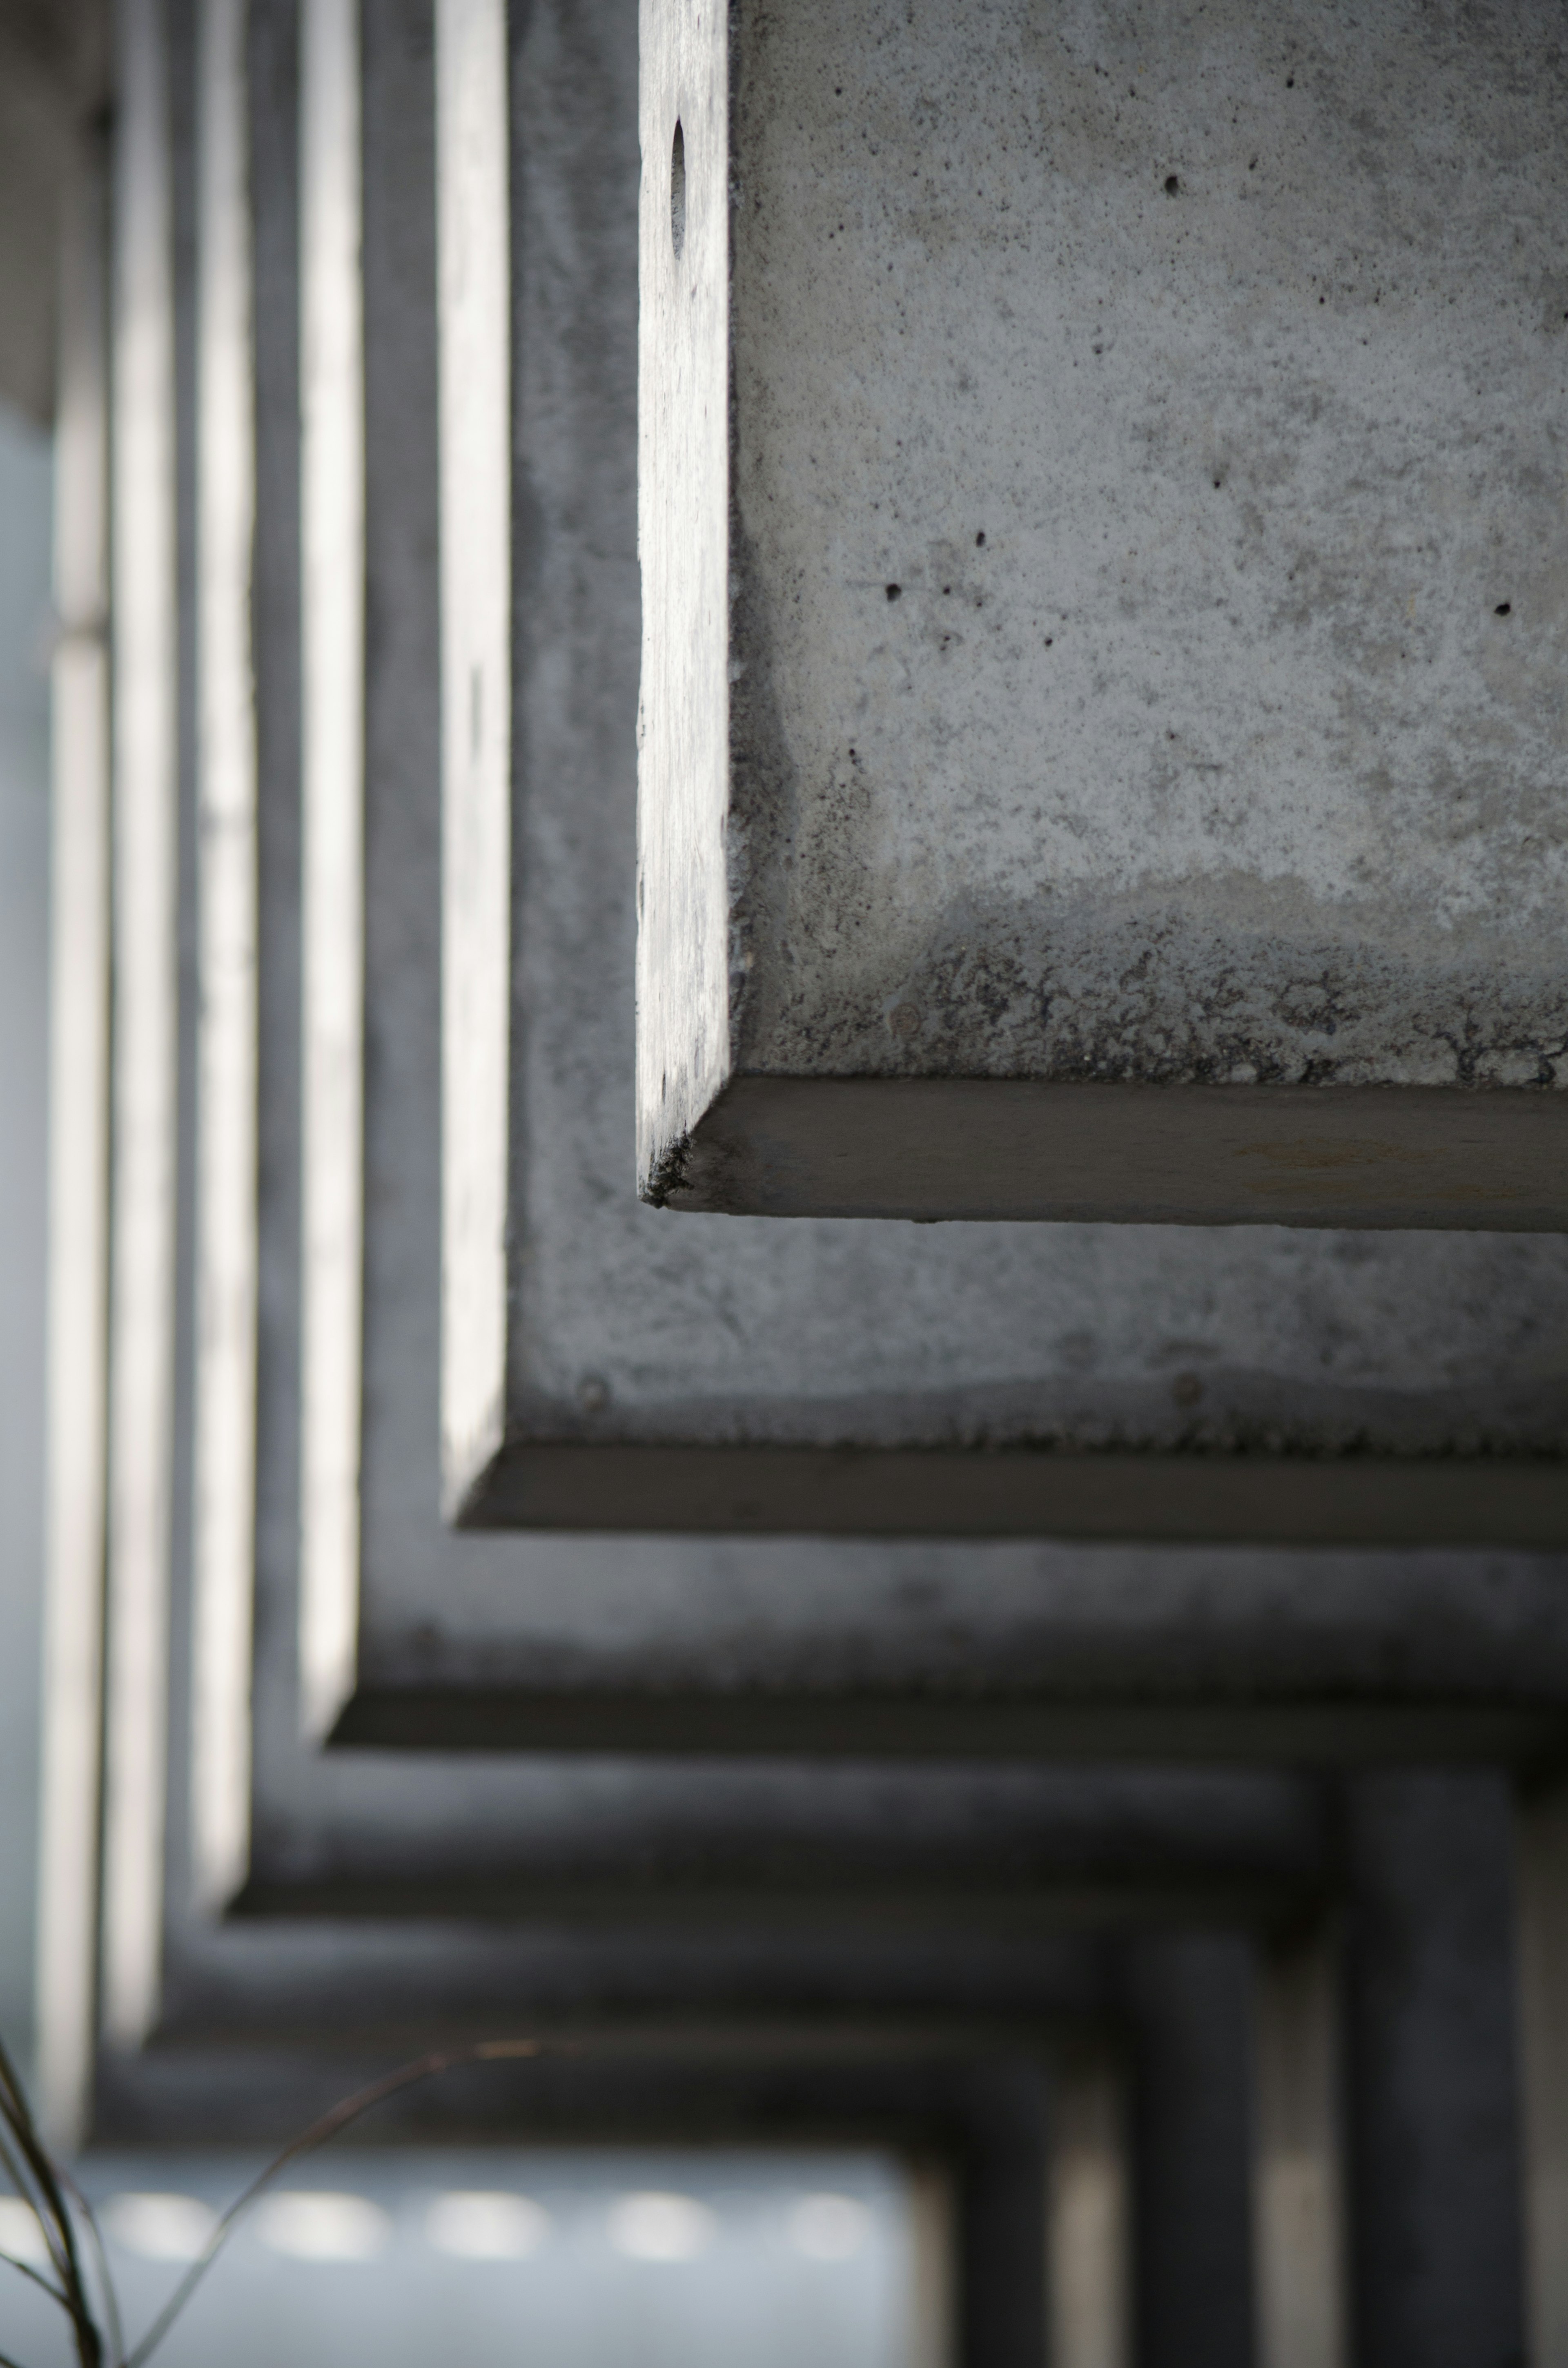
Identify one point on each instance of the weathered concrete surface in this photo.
(1088, 1653)
(1103, 596)
(653, 1372)
(672, 1642)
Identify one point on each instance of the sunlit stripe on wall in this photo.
(471, 182)
(144, 789)
(1301, 2299)
(1089, 2211)
(78, 1190)
(333, 612)
(223, 1525)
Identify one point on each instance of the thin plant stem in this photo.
(423, 2068)
(115, 2329)
(19, 2118)
(18, 2178)
(26, 2270)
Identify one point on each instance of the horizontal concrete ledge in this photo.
(1196, 1498)
(1352, 1730)
(1441, 1157)
(1030, 1904)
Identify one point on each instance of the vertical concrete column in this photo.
(1190, 1997)
(1543, 2004)
(1001, 2220)
(1431, 2029)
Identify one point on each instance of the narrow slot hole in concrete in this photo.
(678, 190)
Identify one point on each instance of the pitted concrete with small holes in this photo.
(1148, 556)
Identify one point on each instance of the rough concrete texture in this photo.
(644, 1356)
(1145, 570)
(604, 1643)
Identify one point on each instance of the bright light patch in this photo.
(160, 2228)
(20, 2234)
(324, 2227)
(828, 2227)
(480, 2225)
(659, 2227)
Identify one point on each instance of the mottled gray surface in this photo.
(1192, 744)
(1146, 582)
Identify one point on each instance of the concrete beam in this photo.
(1094, 756)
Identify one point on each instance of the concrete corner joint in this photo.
(1102, 571)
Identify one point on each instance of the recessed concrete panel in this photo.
(1103, 567)
(626, 1372)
